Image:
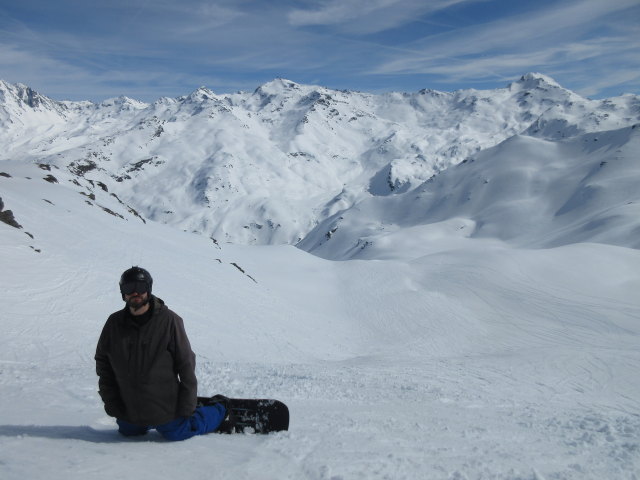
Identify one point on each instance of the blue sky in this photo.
(147, 49)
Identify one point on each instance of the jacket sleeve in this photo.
(107, 384)
(184, 364)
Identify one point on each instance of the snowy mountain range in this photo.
(341, 172)
(485, 326)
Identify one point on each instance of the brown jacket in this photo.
(147, 372)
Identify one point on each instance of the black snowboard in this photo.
(250, 415)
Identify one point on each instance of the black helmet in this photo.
(135, 279)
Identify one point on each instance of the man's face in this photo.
(136, 295)
(136, 300)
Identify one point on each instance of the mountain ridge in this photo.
(270, 166)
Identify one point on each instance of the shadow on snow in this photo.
(66, 432)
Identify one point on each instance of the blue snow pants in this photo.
(204, 420)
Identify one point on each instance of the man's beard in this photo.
(135, 303)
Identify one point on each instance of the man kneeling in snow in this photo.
(147, 369)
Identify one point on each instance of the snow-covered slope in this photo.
(267, 167)
(466, 359)
(528, 191)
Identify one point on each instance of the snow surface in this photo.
(483, 324)
(472, 359)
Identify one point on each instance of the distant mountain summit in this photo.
(536, 80)
(290, 163)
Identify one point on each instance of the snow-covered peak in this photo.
(22, 108)
(277, 86)
(433, 93)
(200, 95)
(20, 95)
(541, 88)
(165, 101)
(536, 80)
(124, 103)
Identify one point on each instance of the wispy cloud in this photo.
(553, 40)
(332, 12)
(366, 16)
(166, 47)
(612, 78)
(552, 29)
(463, 67)
(62, 79)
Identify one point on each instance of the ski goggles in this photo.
(130, 287)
